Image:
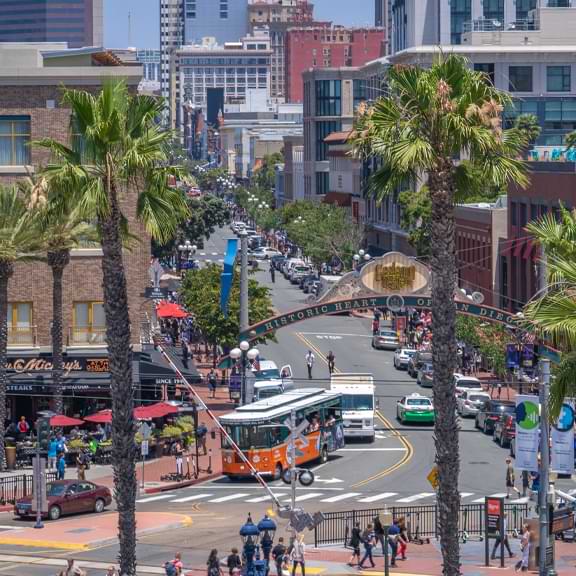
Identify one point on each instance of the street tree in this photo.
(118, 152)
(201, 295)
(19, 241)
(264, 177)
(529, 128)
(428, 118)
(62, 229)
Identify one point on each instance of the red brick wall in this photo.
(364, 45)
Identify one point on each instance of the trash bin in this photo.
(10, 457)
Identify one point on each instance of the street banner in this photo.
(528, 355)
(527, 433)
(562, 447)
(512, 357)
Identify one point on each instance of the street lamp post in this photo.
(267, 529)
(244, 353)
(361, 258)
(186, 250)
(250, 536)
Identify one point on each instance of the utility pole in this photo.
(544, 465)
(244, 319)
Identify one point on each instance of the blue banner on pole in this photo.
(227, 275)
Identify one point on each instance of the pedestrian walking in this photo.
(234, 562)
(375, 326)
(310, 359)
(379, 533)
(393, 536)
(279, 554)
(502, 540)
(331, 361)
(201, 433)
(355, 540)
(212, 380)
(71, 569)
(525, 544)
(112, 571)
(510, 479)
(178, 454)
(525, 483)
(52, 453)
(369, 540)
(174, 567)
(272, 273)
(61, 467)
(402, 538)
(297, 555)
(213, 564)
(185, 354)
(81, 465)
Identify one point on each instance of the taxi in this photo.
(415, 408)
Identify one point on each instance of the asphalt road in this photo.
(391, 471)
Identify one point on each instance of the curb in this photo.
(176, 485)
(6, 508)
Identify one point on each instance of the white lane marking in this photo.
(416, 497)
(214, 253)
(230, 497)
(523, 500)
(372, 450)
(335, 334)
(341, 497)
(382, 496)
(263, 498)
(466, 494)
(321, 337)
(305, 497)
(190, 498)
(154, 498)
(11, 527)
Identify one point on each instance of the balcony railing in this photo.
(21, 335)
(493, 25)
(87, 336)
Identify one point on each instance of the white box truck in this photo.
(358, 403)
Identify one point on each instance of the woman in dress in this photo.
(525, 544)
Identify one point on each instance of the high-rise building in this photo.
(171, 38)
(224, 20)
(77, 22)
(327, 47)
(150, 60)
(278, 16)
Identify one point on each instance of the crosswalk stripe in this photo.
(466, 494)
(523, 500)
(339, 497)
(226, 498)
(305, 497)
(263, 498)
(190, 498)
(497, 495)
(382, 496)
(416, 497)
(154, 498)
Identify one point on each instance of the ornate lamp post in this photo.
(267, 529)
(244, 353)
(250, 535)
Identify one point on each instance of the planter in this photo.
(10, 457)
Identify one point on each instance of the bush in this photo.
(171, 432)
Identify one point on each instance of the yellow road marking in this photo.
(43, 544)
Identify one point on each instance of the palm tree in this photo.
(570, 140)
(430, 117)
(18, 242)
(62, 229)
(118, 153)
(553, 314)
(529, 128)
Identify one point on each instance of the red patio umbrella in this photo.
(102, 417)
(170, 310)
(61, 421)
(158, 410)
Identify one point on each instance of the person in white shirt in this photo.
(297, 555)
(310, 359)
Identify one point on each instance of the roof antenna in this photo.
(129, 28)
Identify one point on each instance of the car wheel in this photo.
(54, 513)
(485, 427)
(494, 438)
(277, 472)
(324, 455)
(99, 505)
(476, 425)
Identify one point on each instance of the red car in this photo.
(68, 497)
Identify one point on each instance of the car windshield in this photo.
(505, 408)
(468, 384)
(427, 368)
(357, 402)
(388, 334)
(408, 353)
(56, 489)
(478, 398)
(418, 402)
(270, 374)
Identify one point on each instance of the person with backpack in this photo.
(379, 532)
(368, 539)
(212, 381)
(278, 554)
(174, 567)
(213, 564)
(234, 562)
(355, 540)
(201, 433)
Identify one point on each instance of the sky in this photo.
(146, 30)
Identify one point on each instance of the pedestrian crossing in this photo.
(251, 496)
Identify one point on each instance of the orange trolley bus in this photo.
(252, 428)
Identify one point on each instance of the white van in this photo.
(290, 264)
(357, 404)
(269, 381)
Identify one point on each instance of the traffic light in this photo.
(43, 430)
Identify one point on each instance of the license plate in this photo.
(22, 510)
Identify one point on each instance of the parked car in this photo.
(265, 253)
(298, 272)
(289, 264)
(470, 402)
(425, 376)
(385, 340)
(464, 383)
(277, 261)
(68, 497)
(306, 280)
(415, 408)
(416, 362)
(505, 430)
(402, 357)
(491, 412)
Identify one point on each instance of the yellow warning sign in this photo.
(433, 478)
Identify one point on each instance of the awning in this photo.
(63, 421)
(508, 247)
(154, 370)
(529, 248)
(170, 310)
(518, 247)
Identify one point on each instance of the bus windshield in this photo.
(269, 392)
(358, 402)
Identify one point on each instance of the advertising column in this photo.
(527, 433)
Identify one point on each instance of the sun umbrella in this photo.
(61, 421)
(102, 417)
(158, 410)
(170, 310)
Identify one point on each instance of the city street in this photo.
(390, 471)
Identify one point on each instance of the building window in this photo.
(513, 215)
(523, 7)
(14, 140)
(322, 183)
(88, 323)
(533, 211)
(523, 218)
(328, 98)
(359, 87)
(323, 129)
(19, 321)
(460, 12)
(487, 69)
(520, 78)
(558, 78)
(494, 10)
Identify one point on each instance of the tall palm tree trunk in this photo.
(6, 271)
(120, 354)
(57, 262)
(443, 265)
